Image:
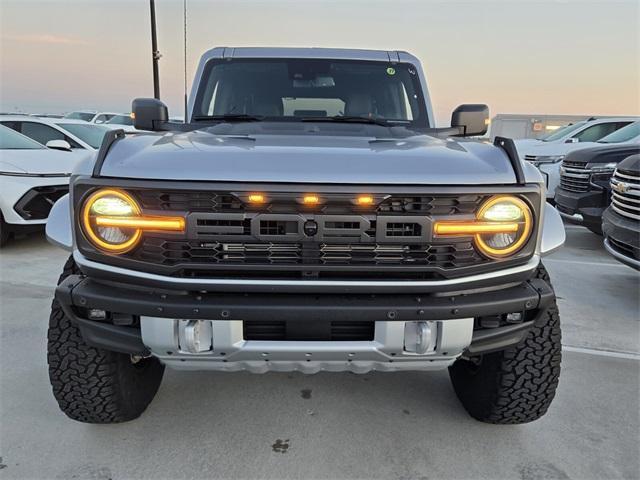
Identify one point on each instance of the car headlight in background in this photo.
(502, 226)
(601, 173)
(602, 167)
(549, 159)
(113, 221)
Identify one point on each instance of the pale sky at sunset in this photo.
(555, 57)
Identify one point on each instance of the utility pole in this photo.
(155, 54)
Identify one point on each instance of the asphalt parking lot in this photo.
(387, 426)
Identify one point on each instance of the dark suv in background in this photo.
(621, 221)
(584, 192)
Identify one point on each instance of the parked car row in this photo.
(578, 162)
(600, 189)
(548, 153)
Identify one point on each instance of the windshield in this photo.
(90, 134)
(625, 134)
(12, 140)
(121, 120)
(309, 89)
(86, 116)
(563, 132)
(554, 132)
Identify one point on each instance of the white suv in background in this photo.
(74, 136)
(90, 116)
(547, 154)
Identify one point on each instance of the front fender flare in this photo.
(553, 233)
(59, 226)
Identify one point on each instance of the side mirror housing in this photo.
(571, 140)
(149, 113)
(471, 119)
(58, 145)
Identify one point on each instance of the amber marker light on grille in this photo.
(256, 198)
(365, 200)
(310, 200)
(113, 221)
(502, 226)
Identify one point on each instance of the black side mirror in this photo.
(471, 119)
(149, 113)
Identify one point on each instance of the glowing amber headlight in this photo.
(502, 226)
(113, 222)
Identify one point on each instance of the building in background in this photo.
(514, 125)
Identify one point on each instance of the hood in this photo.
(631, 164)
(603, 154)
(527, 142)
(41, 161)
(308, 158)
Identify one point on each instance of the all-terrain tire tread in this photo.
(92, 385)
(522, 381)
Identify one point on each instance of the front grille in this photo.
(625, 198)
(175, 252)
(301, 331)
(575, 176)
(203, 201)
(227, 236)
(37, 202)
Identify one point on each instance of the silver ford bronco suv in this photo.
(307, 216)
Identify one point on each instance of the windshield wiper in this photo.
(351, 119)
(230, 117)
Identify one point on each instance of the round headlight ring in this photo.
(524, 233)
(88, 227)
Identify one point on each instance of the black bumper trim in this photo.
(112, 337)
(496, 339)
(590, 204)
(78, 291)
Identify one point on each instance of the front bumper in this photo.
(585, 208)
(551, 174)
(15, 190)
(622, 238)
(161, 313)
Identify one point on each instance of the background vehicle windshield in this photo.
(90, 134)
(555, 132)
(12, 140)
(121, 120)
(561, 133)
(87, 117)
(294, 89)
(623, 135)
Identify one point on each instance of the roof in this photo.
(46, 120)
(311, 52)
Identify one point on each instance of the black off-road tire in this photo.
(93, 385)
(516, 385)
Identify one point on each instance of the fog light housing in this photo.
(419, 337)
(195, 336)
(96, 314)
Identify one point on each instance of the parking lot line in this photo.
(602, 353)
(582, 262)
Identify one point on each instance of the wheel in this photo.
(4, 231)
(93, 385)
(516, 385)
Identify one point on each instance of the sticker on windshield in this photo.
(391, 71)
